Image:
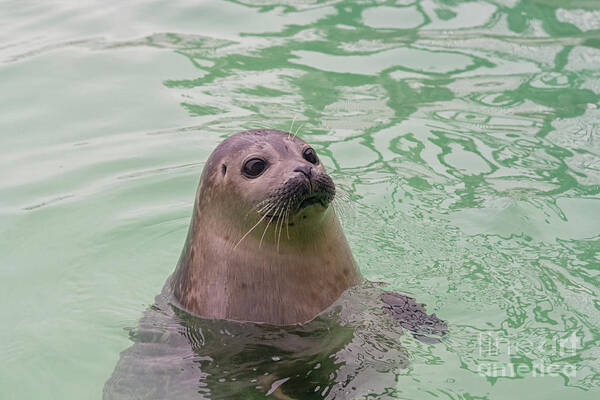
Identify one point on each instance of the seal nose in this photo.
(306, 170)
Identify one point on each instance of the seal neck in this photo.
(257, 280)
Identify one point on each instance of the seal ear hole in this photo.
(224, 169)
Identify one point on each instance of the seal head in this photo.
(264, 243)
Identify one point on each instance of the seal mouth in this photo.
(309, 201)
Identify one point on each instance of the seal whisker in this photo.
(281, 217)
(337, 207)
(278, 236)
(298, 130)
(287, 219)
(273, 206)
(277, 226)
(260, 211)
(291, 126)
(268, 223)
(251, 229)
(341, 207)
(342, 191)
(274, 215)
(341, 197)
(263, 204)
(342, 201)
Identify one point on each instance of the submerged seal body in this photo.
(264, 243)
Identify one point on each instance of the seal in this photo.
(265, 299)
(264, 244)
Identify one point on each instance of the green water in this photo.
(466, 133)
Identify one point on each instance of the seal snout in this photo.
(320, 189)
(305, 169)
(307, 187)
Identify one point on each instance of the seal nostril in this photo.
(305, 169)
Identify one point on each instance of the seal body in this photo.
(264, 244)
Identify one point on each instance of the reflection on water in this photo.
(466, 133)
(352, 350)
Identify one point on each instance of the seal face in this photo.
(264, 243)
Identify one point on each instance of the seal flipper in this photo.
(413, 316)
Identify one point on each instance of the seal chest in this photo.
(264, 243)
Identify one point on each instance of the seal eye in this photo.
(310, 156)
(254, 167)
